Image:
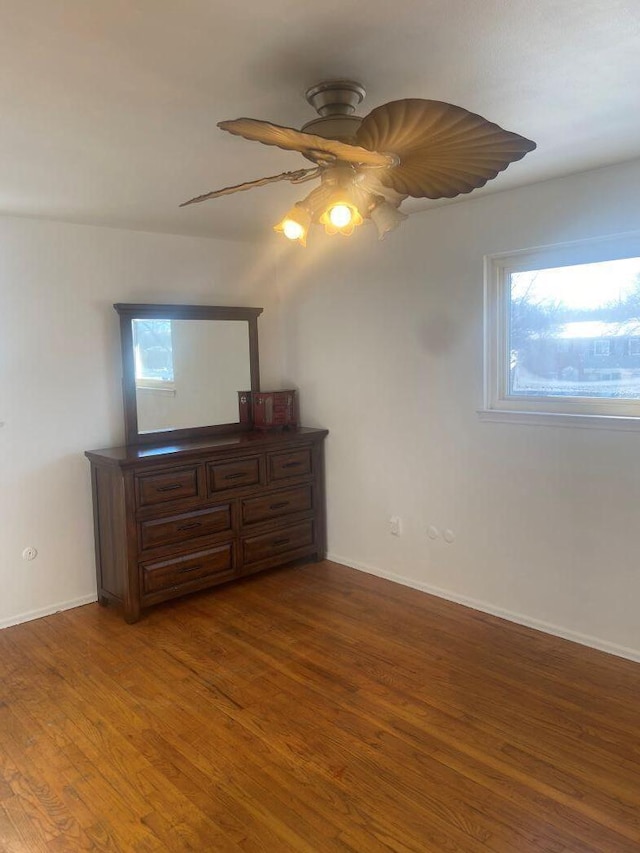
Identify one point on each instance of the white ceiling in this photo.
(108, 108)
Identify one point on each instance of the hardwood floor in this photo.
(313, 709)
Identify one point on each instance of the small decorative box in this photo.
(268, 409)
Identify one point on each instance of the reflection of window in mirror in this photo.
(188, 372)
(183, 366)
(153, 353)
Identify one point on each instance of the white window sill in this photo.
(614, 422)
(167, 389)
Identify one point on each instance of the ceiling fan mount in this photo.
(335, 101)
(336, 97)
(368, 165)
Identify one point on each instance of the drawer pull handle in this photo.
(191, 526)
(281, 541)
(234, 476)
(291, 464)
(280, 505)
(186, 569)
(170, 488)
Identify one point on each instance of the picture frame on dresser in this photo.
(182, 510)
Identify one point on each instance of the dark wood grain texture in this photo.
(313, 708)
(159, 509)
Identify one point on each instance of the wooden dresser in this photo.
(174, 518)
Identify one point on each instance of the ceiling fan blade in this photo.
(316, 147)
(444, 150)
(295, 177)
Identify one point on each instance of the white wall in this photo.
(60, 391)
(385, 342)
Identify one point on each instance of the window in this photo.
(153, 352)
(562, 332)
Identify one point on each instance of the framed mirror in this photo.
(182, 368)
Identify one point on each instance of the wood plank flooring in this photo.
(313, 709)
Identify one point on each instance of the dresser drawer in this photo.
(233, 474)
(213, 564)
(294, 463)
(153, 489)
(276, 504)
(277, 542)
(184, 527)
(186, 515)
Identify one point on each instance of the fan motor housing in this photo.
(335, 101)
(343, 128)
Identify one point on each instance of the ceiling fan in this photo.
(368, 166)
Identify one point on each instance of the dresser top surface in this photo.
(251, 440)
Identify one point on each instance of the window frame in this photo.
(499, 404)
(157, 386)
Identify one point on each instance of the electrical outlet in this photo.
(395, 525)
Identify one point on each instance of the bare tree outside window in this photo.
(574, 331)
(153, 348)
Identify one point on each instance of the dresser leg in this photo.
(131, 614)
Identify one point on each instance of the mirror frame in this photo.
(129, 312)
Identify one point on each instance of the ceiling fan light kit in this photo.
(295, 225)
(368, 165)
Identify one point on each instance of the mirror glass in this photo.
(188, 372)
(182, 368)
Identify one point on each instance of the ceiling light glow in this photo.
(292, 230)
(340, 215)
(295, 224)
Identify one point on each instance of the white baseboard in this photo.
(486, 607)
(475, 604)
(47, 611)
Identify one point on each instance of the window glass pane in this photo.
(574, 331)
(153, 350)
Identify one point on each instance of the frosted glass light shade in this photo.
(335, 218)
(340, 215)
(386, 217)
(295, 224)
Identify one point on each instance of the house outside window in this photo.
(562, 332)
